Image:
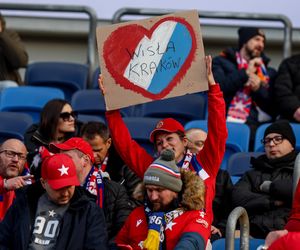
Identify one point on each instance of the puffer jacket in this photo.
(265, 214)
(287, 87)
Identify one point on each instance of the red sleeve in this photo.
(2, 189)
(214, 148)
(289, 241)
(293, 223)
(134, 156)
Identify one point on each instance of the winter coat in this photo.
(12, 55)
(117, 207)
(287, 87)
(231, 80)
(190, 230)
(265, 214)
(83, 224)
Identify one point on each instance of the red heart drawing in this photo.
(128, 53)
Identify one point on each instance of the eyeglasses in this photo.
(11, 154)
(67, 115)
(276, 140)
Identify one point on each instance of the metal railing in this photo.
(287, 41)
(91, 59)
(239, 213)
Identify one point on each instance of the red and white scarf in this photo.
(240, 106)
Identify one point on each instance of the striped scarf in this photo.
(94, 184)
(240, 106)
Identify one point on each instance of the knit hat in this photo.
(283, 128)
(164, 172)
(74, 143)
(169, 125)
(59, 171)
(246, 33)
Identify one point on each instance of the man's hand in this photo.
(252, 65)
(215, 230)
(297, 115)
(254, 82)
(210, 76)
(16, 182)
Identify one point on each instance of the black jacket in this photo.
(117, 207)
(264, 214)
(231, 79)
(287, 87)
(83, 224)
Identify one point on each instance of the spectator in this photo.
(173, 215)
(12, 165)
(287, 89)
(53, 213)
(169, 134)
(110, 195)
(12, 56)
(245, 79)
(288, 238)
(106, 157)
(266, 191)
(57, 124)
(221, 203)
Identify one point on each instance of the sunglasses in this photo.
(67, 115)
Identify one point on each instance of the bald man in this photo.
(13, 155)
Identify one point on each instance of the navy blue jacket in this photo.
(231, 79)
(83, 225)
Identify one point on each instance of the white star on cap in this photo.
(51, 213)
(63, 170)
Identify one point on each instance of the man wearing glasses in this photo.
(266, 191)
(12, 160)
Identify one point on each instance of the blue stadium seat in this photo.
(239, 163)
(69, 77)
(259, 135)
(95, 78)
(253, 244)
(140, 129)
(237, 141)
(14, 125)
(91, 102)
(28, 99)
(90, 118)
(182, 108)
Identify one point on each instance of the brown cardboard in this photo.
(116, 46)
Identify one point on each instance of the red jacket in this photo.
(6, 199)
(135, 229)
(289, 241)
(210, 157)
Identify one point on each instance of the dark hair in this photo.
(50, 116)
(91, 129)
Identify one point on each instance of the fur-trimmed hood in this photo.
(193, 191)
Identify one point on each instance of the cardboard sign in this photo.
(151, 59)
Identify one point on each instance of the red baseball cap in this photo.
(168, 125)
(74, 143)
(59, 171)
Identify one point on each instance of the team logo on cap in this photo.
(63, 170)
(159, 124)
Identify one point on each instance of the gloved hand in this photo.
(265, 186)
